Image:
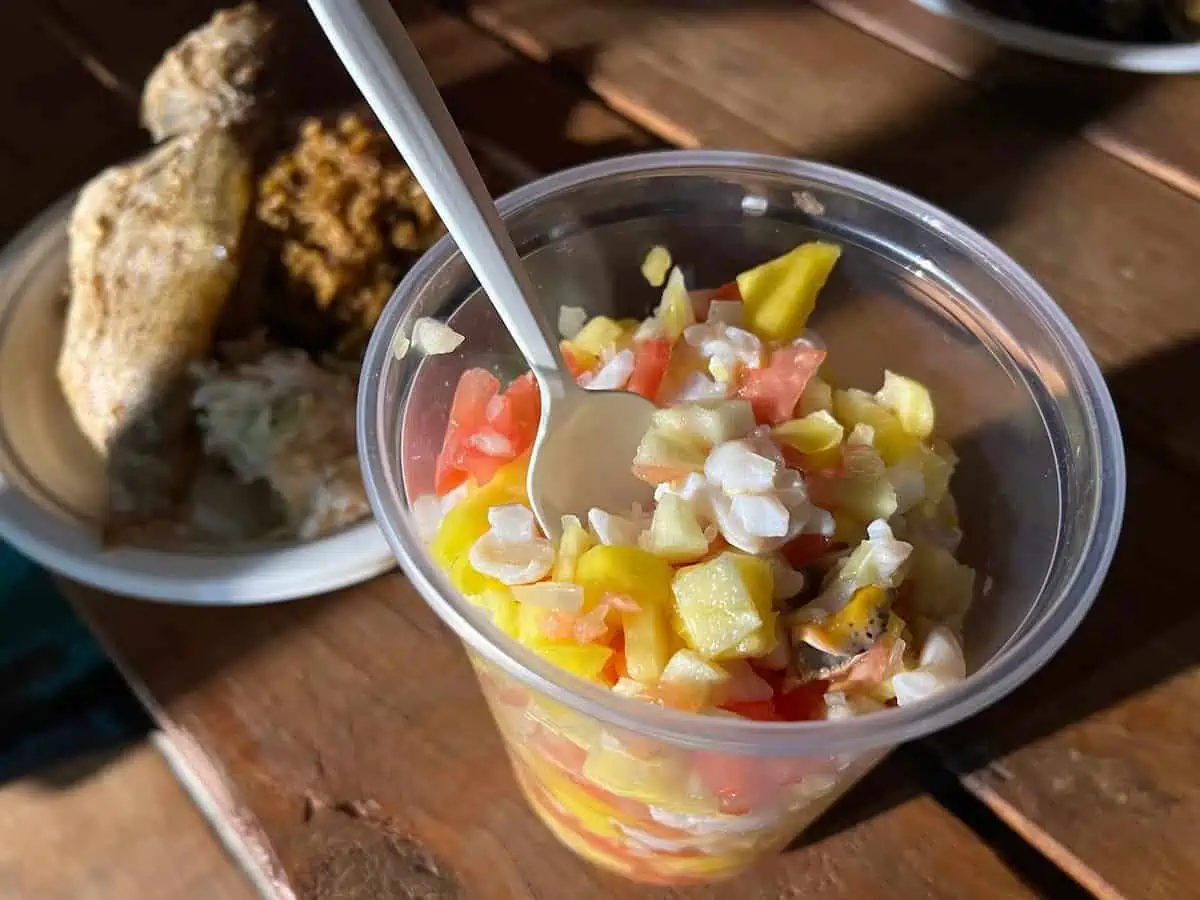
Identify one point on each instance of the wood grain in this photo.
(375, 761)
(105, 827)
(1149, 121)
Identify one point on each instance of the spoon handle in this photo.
(383, 62)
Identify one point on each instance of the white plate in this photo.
(52, 482)
(1160, 58)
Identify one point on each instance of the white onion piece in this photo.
(563, 596)
(434, 338)
(512, 522)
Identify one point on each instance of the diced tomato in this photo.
(468, 413)
(802, 703)
(565, 754)
(738, 781)
(727, 291)
(487, 429)
(775, 389)
(572, 362)
(650, 361)
(759, 710)
(805, 549)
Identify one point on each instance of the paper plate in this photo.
(52, 483)
(1150, 58)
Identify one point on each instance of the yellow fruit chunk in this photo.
(854, 407)
(760, 579)
(598, 334)
(817, 396)
(487, 593)
(943, 588)
(936, 470)
(647, 642)
(664, 455)
(815, 433)
(675, 533)
(708, 423)
(847, 529)
(467, 522)
(584, 660)
(718, 603)
(644, 578)
(867, 498)
(576, 540)
(779, 295)
(675, 312)
(658, 780)
(689, 680)
(856, 626)
(656, 265)
(909, 401)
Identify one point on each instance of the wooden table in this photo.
(343, 737)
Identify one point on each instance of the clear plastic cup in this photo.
(669, 797)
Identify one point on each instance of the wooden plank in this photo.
(1096, 232)
(1111, 245)
(64, 125)
(110, 826)
(1149, 121)
(352, 737)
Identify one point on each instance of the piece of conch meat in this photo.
(154, 256)
(211, 77)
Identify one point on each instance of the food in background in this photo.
(348, 218)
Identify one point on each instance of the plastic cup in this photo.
(669, 797)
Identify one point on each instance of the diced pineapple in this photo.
(598, 334)
(656, 265)
(658, 780)
(908, 401)
(779, 295)
(467, 522)
(675, 533)
(715, 604)
(584, 660)
(675, 312)
(854, 407)
(815, 433)
(759, 576)
(667, 455)
(711, 422)
(943, 588)
(647, 642)
(817, 396)
(867, 498)
(575, 541)
(936, 470)
(689, 680)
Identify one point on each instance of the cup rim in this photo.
(1013, 664)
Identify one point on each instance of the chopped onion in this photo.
(427, 513)
(571, 320)
(762, 515)
(562, 596)
(613, 375)
(613, 530)
(512, 562)
(434, 338)
(512, 522)
(491, 443)
(728, 311)
(737, 469)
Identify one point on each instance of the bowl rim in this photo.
(1013, 664)
(1126, 56)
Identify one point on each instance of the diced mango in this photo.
(584, 660)
(624, 570)
(675, 311)
(487, 593)
(909, 401)
(599, 333)
(467, 522)
(779, 295)
(715, 604)
(709, 423)
(675, 533)
(647, 642)
(854, 407)
(814, 433)
(576, 540)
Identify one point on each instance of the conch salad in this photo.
(798, 563)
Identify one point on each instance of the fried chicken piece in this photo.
(154, 252)
(213, 76)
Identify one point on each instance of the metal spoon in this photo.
(583, 454)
